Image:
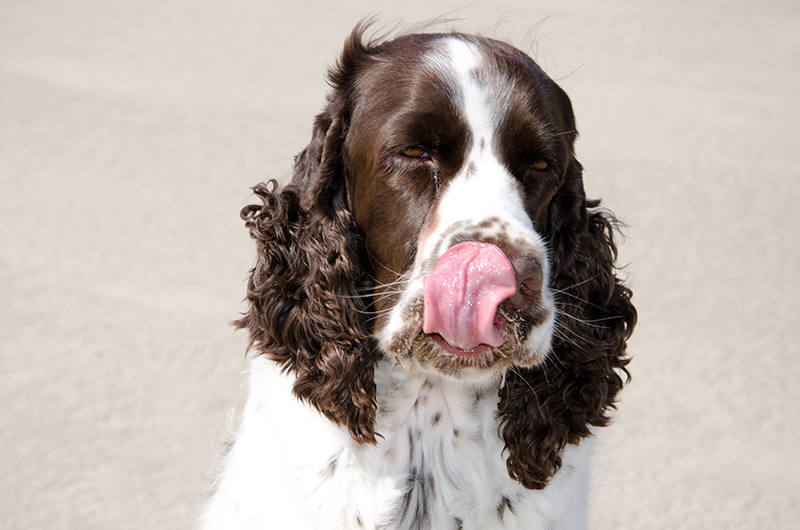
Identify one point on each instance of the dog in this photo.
(435, 306)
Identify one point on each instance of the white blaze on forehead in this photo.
(483, 188)
(465, 60)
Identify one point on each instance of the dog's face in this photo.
(455, 149)
(436, 210)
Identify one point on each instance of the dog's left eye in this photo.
(540, 165)
(415, 152)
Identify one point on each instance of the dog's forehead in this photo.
(454, 56)
(456, 90)
(462, 65)
(454, 61)
(488, 80)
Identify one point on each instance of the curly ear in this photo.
(546, 407)
(306, 292)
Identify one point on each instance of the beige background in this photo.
(131, 131)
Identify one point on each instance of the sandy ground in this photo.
(131, 131)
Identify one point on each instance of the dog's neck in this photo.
(436, 405)
(439, 436)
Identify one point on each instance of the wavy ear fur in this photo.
(307, 309)
(546, 407)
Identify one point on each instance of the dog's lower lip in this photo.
(471, 352)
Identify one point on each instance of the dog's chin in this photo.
(433, 354)
(475, 351)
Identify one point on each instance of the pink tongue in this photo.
(461, 296)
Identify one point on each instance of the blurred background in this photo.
(130, 135)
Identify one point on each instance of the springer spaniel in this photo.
(435, 302)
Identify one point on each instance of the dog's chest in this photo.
(441, 450)
(438, 464)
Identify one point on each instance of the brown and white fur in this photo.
(356, 416)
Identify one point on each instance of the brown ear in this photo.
(546, 407)
(308, 291)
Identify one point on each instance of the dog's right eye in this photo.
(415, 152)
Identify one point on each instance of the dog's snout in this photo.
(530, 279)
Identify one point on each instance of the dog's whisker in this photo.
(376, 261)
(530, 387)
(592, 322)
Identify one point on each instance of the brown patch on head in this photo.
(400, 105)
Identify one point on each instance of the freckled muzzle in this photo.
(462, 295)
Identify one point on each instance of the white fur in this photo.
(278, 472)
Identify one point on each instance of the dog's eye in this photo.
(415, 152)
(540, 165)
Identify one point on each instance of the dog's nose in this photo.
(530, 279)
